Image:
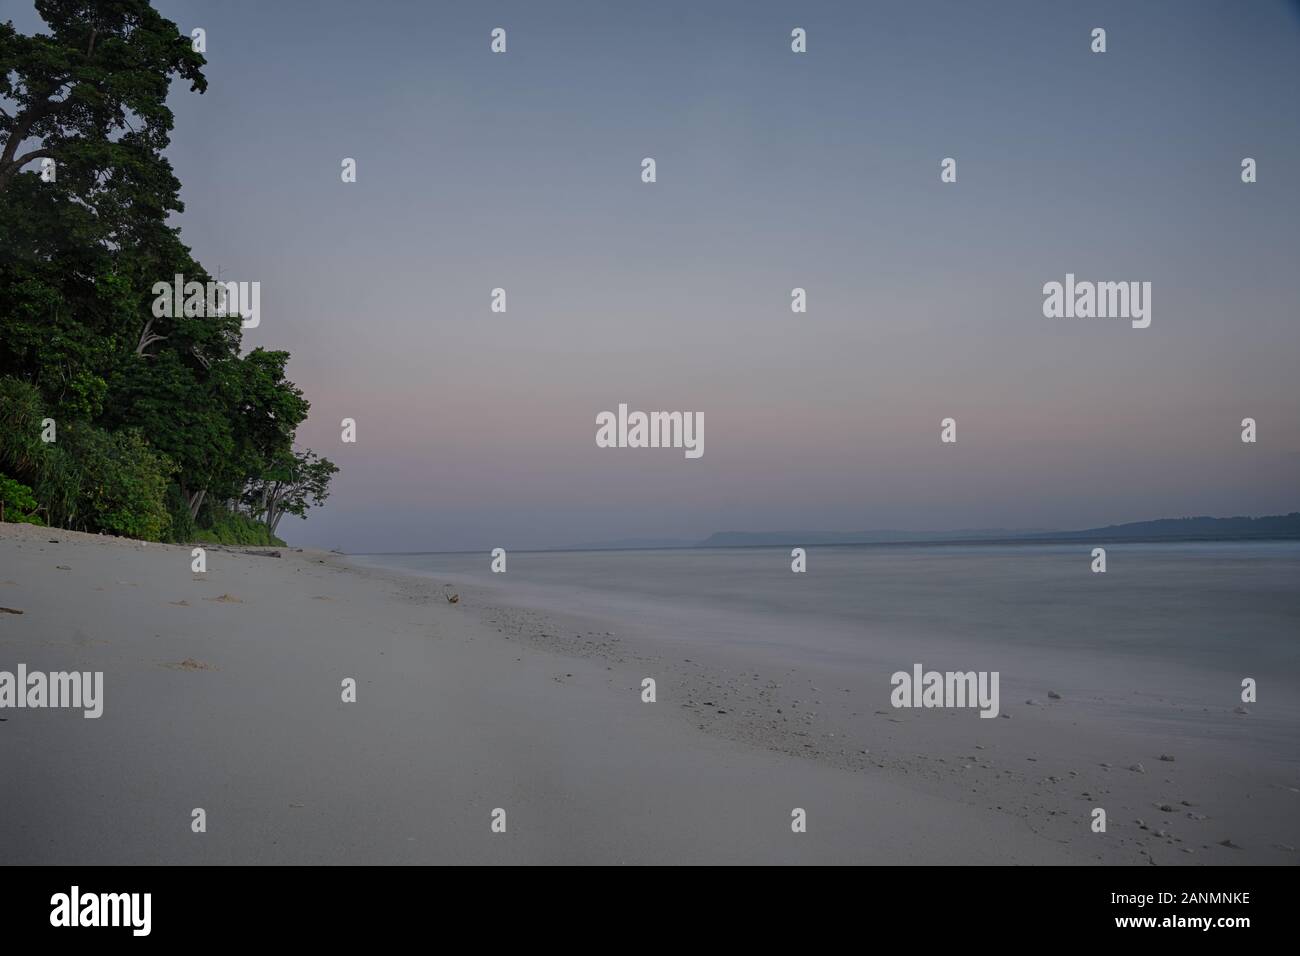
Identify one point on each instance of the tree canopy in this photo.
(84, 236)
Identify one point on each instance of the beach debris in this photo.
(181, 603)
(190, 664)
(62, 567)
(1007, 716)
(54, 541)
(1167, 758)
(1284, 846)
(1240, 710)
(453, 597)
(1031, 702)
(225, 599)
(1053, 695)
(252, 551)
(1138, 768)
(10, 610)
(1196, 816)
(1165, 807)
(1229, 844)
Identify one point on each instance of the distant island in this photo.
(1162, 529)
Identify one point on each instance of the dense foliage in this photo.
(116, 420)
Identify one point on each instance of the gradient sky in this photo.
(775, 170)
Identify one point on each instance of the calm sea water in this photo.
(1214, 609)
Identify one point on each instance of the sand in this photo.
(223, 691)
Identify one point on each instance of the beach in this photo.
(224, 691)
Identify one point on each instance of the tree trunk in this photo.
(147, 338)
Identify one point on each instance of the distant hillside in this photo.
(1163, 529)
(1170, 529)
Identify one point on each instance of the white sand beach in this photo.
(222, 691)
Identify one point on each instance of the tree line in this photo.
(111, 418)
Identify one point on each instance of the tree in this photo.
(93, 94)
(292, 485)
(79, 254)
(163, 415)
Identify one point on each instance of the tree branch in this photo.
(26, 158)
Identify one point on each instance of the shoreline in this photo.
(465, 708)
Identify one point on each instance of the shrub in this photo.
(182, 529)
(219, 525)
(121, 482)
(18, 504)
(86, 479)
(21, 448)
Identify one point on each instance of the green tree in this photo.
(92, 94)
(162, 416)
(292, 485)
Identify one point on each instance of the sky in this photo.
(775, 170)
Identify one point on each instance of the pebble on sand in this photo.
(1138, 768)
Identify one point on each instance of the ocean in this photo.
(1216, 611)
